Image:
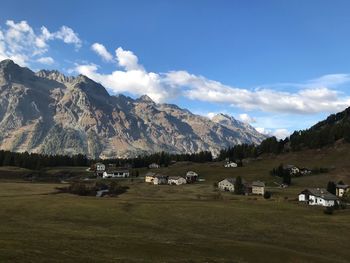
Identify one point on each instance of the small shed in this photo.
(176, 180)
(153, 166)
(191, 177)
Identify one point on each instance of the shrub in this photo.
(116, 189)
(328, 211)
(267, 195)
(80, 189)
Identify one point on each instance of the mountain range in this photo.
(50, 113)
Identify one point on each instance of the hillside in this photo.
(335, 128)
(48, 112)
(188, 223)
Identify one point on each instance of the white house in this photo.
(341, 189)
(153, 166)
(258, 188)
(116, 174)
(160, 179)
(100, 167)
(191, 177)
(293, 170)
(176, 180)
(317, 196)
(149, 177)
(227, 184)
(230, 165)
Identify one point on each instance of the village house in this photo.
(305, 171)
(293, 170)
(149, 177)
(230, 165)
(258, 188)
(99, 169)
(317, 196)
(191, 177)
(160, 179)
(228, 184)
(341, 189)
(116, 174)
(153, 166)
(176, 180)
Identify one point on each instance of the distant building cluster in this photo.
(256, 187)
(157, 179)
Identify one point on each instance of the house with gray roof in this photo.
(317, 196)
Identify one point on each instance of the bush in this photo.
(90, 189)
(116, 189)
(328, 211)
(267, 195)
(81, 189)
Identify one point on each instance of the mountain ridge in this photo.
(48, 112)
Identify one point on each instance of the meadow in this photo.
(189, 223)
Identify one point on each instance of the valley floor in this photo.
(189, 223)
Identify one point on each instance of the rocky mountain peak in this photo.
(10, 71)
(51, 113)
(145, 98)
(55, 75)
(223, 118)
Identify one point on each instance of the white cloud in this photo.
(46, 60)
(280, 134)
(133, 78)
(102, 51)
(311, 98)
(127, 59)
(211, 115)
(308, 100)
(244, 117)
(19, 41)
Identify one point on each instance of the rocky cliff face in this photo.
(47, 112)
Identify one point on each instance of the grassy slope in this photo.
(190, 223)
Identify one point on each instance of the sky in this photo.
(278, 65)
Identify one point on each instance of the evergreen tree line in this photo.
(37, 161)
(162, 159)
(239, 152)
(283, 173)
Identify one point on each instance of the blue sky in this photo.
(280, 65)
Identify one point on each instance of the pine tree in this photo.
(331, 187)
(239, 187)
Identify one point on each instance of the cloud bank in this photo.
(19, 42)
(313, 96)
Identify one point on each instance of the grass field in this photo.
(189, 223)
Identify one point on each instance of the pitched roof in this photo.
(191, 173)
(161, 176)
(320, 192)
(342, 186)
(231, 180)
(175, 178)
(258, 183)
(289, 166)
